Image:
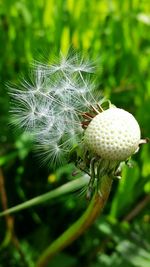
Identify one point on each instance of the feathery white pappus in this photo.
(50, 107)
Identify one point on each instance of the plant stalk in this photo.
(94, 209)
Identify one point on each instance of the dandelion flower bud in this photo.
(113, 134)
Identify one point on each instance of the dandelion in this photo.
(70, 121)
(67, 120)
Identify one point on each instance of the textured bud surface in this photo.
(113, 134)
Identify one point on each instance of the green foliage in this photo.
(115, 34)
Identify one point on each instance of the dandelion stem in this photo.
(72, 233)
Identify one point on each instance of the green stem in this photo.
(94, 209)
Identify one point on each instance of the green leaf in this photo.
(126, 192)
(134, 254)
(64, 189)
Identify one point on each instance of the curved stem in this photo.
(94, 209)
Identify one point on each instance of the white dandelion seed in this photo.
(50, 107)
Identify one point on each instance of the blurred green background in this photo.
(117, 35)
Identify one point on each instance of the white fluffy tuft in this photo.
(50, 106)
